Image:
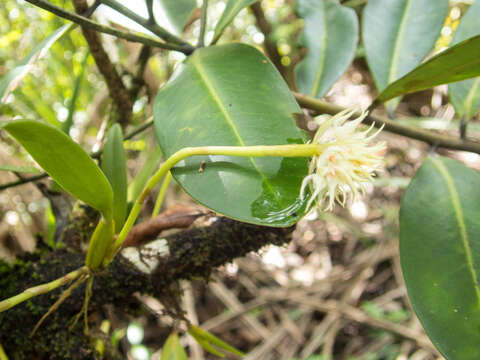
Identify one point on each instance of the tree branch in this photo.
(192, 254)
(116, 87)
(151, 16)
(140, 65)
(83, 21)
(430, 137)
(154, 28)
(270, 46)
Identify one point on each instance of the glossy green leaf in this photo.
(440, 254)
(114, 166)
(232, 8)
(172, 349)
(232, 95)
(327, 24)
(177, 12)
(12, 79)
(398, 35)
(465, 95)
(459, 62)
(65, 161)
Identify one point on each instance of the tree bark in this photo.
(192, 254)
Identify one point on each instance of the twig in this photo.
(154, 28)
(151, 16)
(203, 24)
(360, 316)
(94, 155)
(430, 137)
(189, 306)
(116, 87)
(83, 21)
(231, 302)
(269, 45)
(141, 64)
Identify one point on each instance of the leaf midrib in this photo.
(321, 65)
(202, 72)
(392, 76)
(467, 104)
(460, 220)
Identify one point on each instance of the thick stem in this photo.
(42, 289)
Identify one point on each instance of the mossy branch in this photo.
(192, 254)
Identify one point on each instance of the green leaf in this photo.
(115, 168)
(200, 333)
(172, 349)
(20, 169)
(12, 79)
(459, 62)
(327, 24)
(232, 95)
(177, 12)
(138, 183)
(232, 9)
(65, 161)
(465, 95)
(399, 34)
(440, 254)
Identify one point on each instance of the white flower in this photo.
(346, 165)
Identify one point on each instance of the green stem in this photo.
(42, 289)
(161, 194)
(203, 24)
(297, 150)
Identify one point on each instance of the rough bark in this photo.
(192, 254)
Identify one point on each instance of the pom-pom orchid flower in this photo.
(346, 165)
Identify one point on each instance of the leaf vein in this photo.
(457, 207)
(211, 89)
